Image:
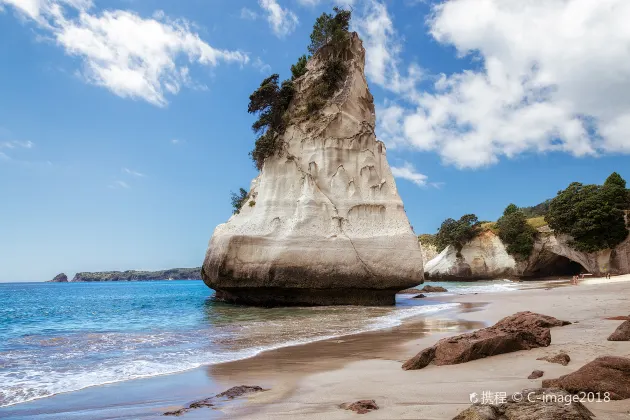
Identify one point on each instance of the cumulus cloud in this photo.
(131, 56)
(554, 76)
(15, 144)
(282, 21)
(408, 172)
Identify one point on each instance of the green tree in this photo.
(270, 103)
(457, 232)
(516, 233)
(238, 199)
(299, 69)
(591, 214)
(330, 29)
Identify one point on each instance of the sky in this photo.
(124, 124)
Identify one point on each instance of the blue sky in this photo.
(123, 124)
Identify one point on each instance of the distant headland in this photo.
(135, 275)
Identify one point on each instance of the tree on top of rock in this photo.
(591, 214)
(515, 232)
(457, 232)
(330, 29)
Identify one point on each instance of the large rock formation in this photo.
(486, 257)
(323, 223)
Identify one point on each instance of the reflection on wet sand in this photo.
(334, 353)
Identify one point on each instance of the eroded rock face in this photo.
(482, 258)
(323, 224)
(604, 374)
(486, 257)
(521, 331)
(535, 404)
(622, 333)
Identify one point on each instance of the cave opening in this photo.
(557, 266)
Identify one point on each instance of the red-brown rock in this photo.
(535, 404)
(622, 333)
(521, 331)
(560, 358)
(618, 318)
(234, 392)
(361, 406)
(536, 374)
(605, 374)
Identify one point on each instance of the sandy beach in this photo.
(311, 380)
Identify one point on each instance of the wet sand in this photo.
(310, 381)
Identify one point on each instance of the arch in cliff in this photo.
(553, 264)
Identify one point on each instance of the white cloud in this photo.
(116, 185)
(282, 21)
(134, 173)
(383, 48)
(131, 56)
(311, 3)
(261, 65)
(408, 172)
(176, 141)
(14, 144)
(248, 14)
(554, 77)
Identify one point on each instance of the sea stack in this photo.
(323, 223)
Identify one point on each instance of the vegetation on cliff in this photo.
(238, 199)
(457, 232)
(271, 100)
(516, 233)
(593, 215)
(133, 275)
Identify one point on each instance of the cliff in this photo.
(133, 275)
(486, 257)
(323, 223)
(59, 278)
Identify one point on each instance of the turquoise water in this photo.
(61, 337)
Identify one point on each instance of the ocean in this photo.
(62, 337)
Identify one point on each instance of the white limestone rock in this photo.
(324, 223)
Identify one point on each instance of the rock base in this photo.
(269, 297)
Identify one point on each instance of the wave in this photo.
(40, 380)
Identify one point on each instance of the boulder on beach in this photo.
(59, 278)
(433, 289)
(530, 404)
(361, 406)
(419, 296)
(606, 374)
(323, 223)
(521, 331)
(536, 374)
(622, 333)
(560, 358)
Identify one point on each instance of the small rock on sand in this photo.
(420, 296)
(561, 358)
(622, 333)
(536, 374)
(361, 406)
